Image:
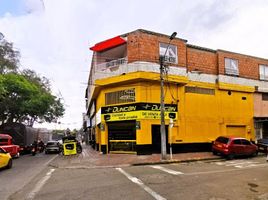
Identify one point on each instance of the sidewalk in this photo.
(91, 158)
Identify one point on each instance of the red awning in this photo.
(107, 44)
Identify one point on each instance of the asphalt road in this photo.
(236, 179)
(23, 171)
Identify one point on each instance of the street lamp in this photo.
(162, 104)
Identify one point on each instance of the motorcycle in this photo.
(33, 151)
(34, 148)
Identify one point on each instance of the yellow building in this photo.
(203, 100)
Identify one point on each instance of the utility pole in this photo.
(162, 104)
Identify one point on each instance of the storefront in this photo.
(134, 128)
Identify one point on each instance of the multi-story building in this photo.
(207, 93)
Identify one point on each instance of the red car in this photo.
(233, 146)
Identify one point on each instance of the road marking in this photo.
(226, 170)
(51, 159)
(170, 171)
(141, 184)
(239, 163)
(39, 185)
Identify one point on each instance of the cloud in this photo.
(54, 36)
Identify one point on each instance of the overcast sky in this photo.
(54, 36)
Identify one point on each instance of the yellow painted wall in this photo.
(205, 117)
(201, 117)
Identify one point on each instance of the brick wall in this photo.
(248, 65)
(201, 60)
(145, 47)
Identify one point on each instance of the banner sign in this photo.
(138, 107)
(138, 115)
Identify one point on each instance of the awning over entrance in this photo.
(107, 44)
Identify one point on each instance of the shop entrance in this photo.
(156, 138)
(122, 137)
(265, 129)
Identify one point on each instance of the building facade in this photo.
(207, 93)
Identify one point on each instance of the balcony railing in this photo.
(121, 66)
(111, 64)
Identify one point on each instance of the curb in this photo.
(175, 161)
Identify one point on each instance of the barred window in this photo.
(199, 90)
(231, 66)
(122, 96)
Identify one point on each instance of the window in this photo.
(245, 142)
(265, 96)
(263, 72)
(171, 53)
(231, 66)
(4, 141)
(238, 142)
(223, 140)
(122, 96)
(198, 90)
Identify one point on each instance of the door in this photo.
(248, 148)
(2, 158)
(265, 130)
(236, 147)
(156, 138)
(122, 136)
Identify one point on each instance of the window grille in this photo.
(122, 96)
(199, 90)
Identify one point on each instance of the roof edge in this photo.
(152, 33)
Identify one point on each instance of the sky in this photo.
(54, 36)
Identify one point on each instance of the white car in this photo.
(52, 147)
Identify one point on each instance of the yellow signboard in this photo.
(134, 115)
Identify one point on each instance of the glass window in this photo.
(170, 52)
(122, 96)
(2, 150)
(237, 142)
(231, 66)
(223, 140)
(245, 142)
(263, 69)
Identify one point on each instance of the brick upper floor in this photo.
(146, 46)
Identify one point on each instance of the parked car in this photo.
(52, 147)
(230, 147)
(263, 145)
(5, 159)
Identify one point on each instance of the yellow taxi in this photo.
(5, 159)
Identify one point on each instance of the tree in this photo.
(27, 101)
(25, 97)
(9, 58)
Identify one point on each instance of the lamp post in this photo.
(162, 104)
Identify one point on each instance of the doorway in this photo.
(122, 136)
(156, 138)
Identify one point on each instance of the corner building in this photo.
(208, 93)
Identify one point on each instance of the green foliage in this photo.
(25, 97)
(9, 58)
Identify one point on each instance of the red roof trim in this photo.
(107, 44)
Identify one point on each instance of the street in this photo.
(218, 179)
(24, 169)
